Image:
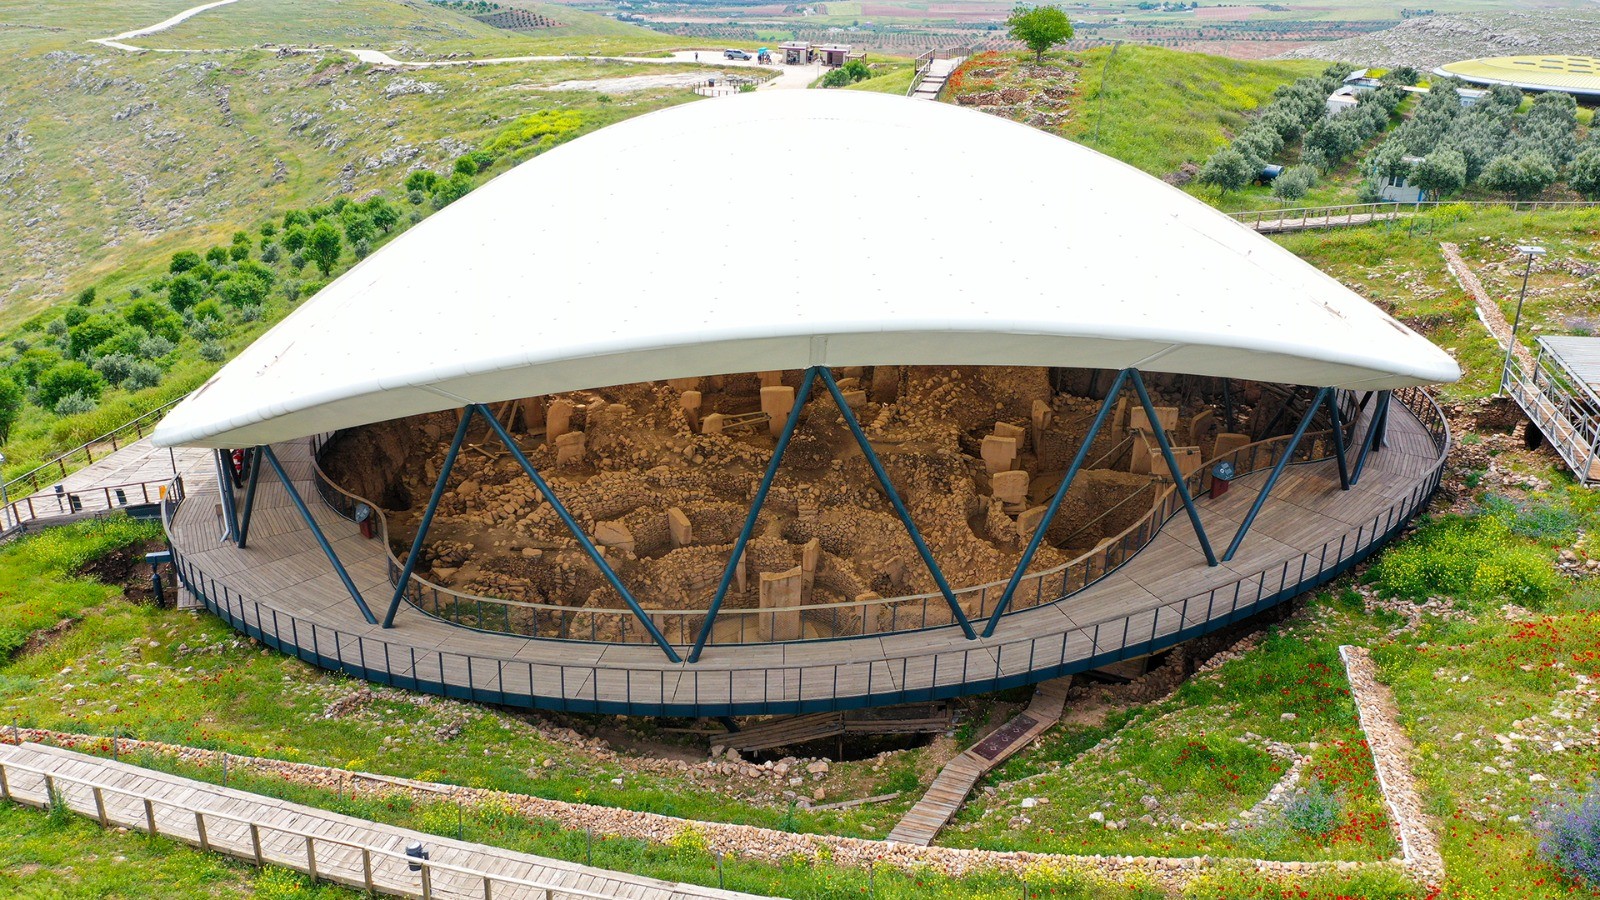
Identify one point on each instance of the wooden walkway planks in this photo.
(263, 829)
(1307, 527)
(945, 797)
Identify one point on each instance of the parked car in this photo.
(736, 54)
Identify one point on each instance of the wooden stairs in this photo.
(956, 780)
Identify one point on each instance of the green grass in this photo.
(1398, 265)
(42, 856)
(1155, 109)
(38, 587)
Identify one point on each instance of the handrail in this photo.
(1303, 216)
(22, 511)
(60, 461)
(310, 837)
(924, 610)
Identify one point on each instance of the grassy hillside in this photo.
(109, 159)
(1153, 108)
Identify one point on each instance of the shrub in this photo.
(271, 253)
(155, 347)
(1294, 182)
(1523, 177)
(1228, 170)
(184, 291)
(183, 261)
(1476, 559)
(114, 367)
(213, 351)
(421, 181)
(1569, 834)
(142, 374)
(324, 246)
(1315, 811)
(449, 191)
(74, 404)
(89, 334)
(65, 379)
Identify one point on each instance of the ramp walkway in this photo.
(327, 846)
(923, 822)
(933, 70)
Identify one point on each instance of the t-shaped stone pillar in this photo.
(780, 591)
(776, 401)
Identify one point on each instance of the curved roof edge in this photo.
(575, 270)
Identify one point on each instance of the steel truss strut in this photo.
(249, 497)
(1172, 467)
(767, 478)
(1277, 470)
(230, 513)
(427, 517)
(1055, 502)
(1374, 435)
(894, 500)
(577, 532)
(316, 531)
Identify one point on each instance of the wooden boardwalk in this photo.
(945, 797)
(282, 590)
(333, 847)
(131, 475)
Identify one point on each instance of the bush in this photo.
(65, 379)
(213, 351)
(1523, 177)
(421, 181)
(183, 261)
(74, 404)
(1569, 834)
(1478, 559)
(449, 191)
(114, 367)
(1294, 182)
(851, 72)
(1315, 811)
(1227, 169)
(142, 374)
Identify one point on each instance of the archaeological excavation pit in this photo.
(662, 476)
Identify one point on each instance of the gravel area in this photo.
(1391, 756)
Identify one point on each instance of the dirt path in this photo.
(117, 39)
(1488, 311)
(789, 77)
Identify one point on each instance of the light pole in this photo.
(1531, 251)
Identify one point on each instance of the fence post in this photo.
(311, 856)
(255, 843)
(5, 786)
(150, 817)
(366, 869)
(200, 827)
(100, 807)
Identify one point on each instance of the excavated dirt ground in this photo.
(645, 454)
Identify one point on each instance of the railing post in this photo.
(200, 828)
(311, 857)
(366, 870)
(255, 843)
(100, 807)
(150, 817)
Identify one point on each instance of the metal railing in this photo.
(1305, 218)
(65, 506)
(250, 839)
(830, 621)
(1564, 415)
(56, 469)
(733, 685)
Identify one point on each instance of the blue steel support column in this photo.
(577, 532)
(427, 517)
(230, 516)
(1371, 438)
(789, 427)
(1172, 466)
(316, 532)
(1338, 439)
(1283, 461)
(1055, 503)
(249, 496)
(899, 507)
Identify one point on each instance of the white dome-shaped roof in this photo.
(787, 229)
